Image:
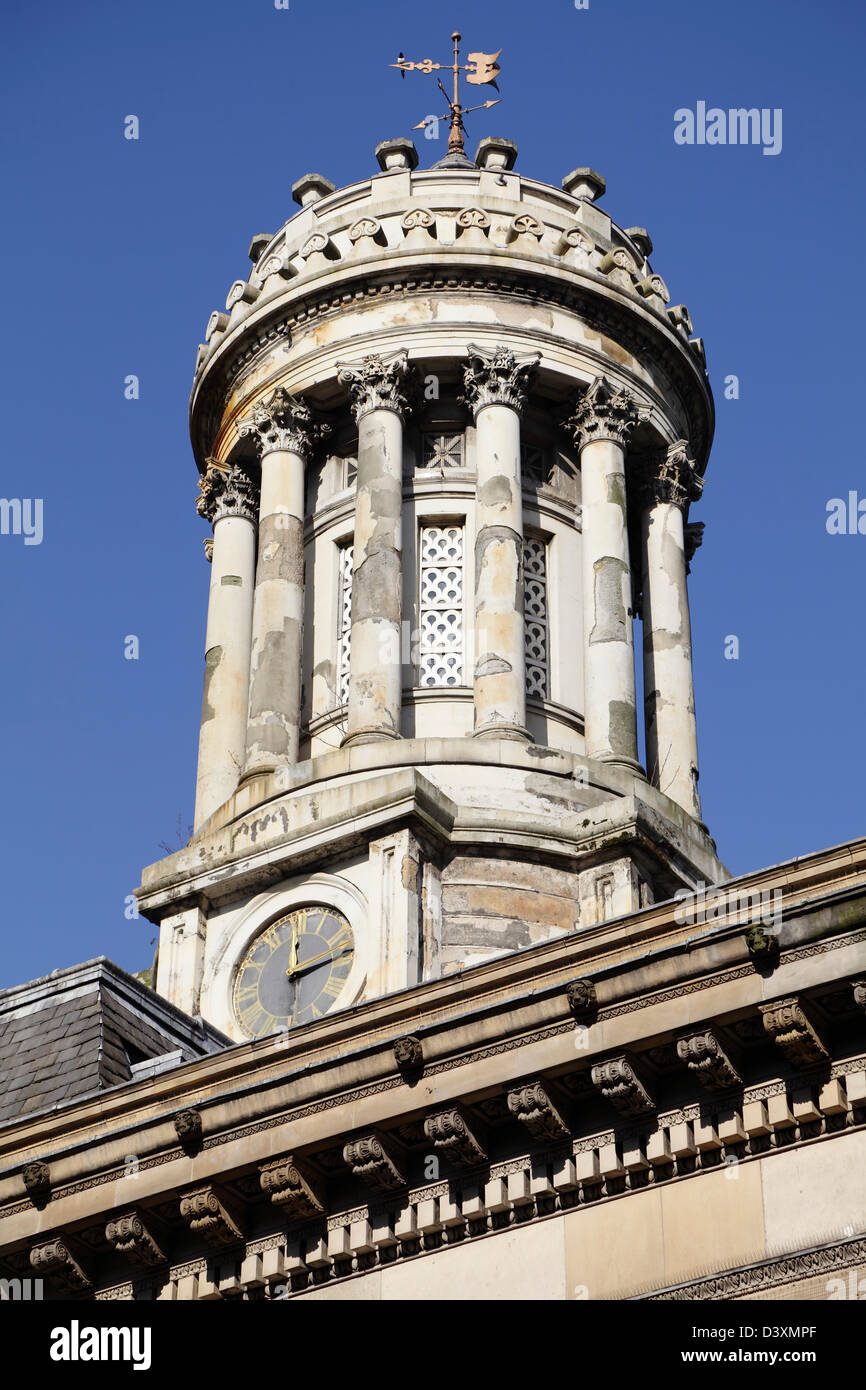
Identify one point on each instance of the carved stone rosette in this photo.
(792, 1031)
(284, 423)
(373, 1163)
(617, 1081)
(53, 1260)
(130, 1237)
(533, 1107)
(672, 478)
(706, 1059)
(451, 1136)
(290, 1190)
(497, 377)
(226, 490)
(207, 1216)
(603, 412)
(378, 383)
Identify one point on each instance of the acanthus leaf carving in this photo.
(618, 1082)
(207, 1215)
(532, 1105)
(706, 1059)
(226, 490)
(378, 383)
(374, 1162)
(497, 376)
(788, 1025)
(53, 1260)
(283, 422)
(454, 1138)
(131, 1237)
(603, 411)
(294, 1192)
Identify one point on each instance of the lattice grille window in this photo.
(441, 607)
(442, 451)
(347, 559)
(535, 621)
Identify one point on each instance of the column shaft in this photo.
(375, 668)
(499, 676)
(610, 701)
(669, 697)
(273, 729)
(227, 664)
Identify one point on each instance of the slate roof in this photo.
(82, 1030)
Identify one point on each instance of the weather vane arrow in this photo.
(481, 70)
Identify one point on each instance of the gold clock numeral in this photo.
(333, 986)
(247, 994)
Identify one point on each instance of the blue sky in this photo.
(116, 251)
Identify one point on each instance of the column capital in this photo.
(283, 422)
(497, 376)
(226, 490)
(603, 412)
(672, 477)
(378, 383)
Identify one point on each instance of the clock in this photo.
(294, 971)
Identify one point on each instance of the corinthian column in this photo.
(495, 388)
(284, 434)
(377, 389)
(228, 501)
(601, 425)
(669, 694)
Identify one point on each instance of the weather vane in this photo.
(481, 71)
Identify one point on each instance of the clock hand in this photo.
(304, 965)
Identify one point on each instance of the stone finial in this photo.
(584, 184)
(310, 188)
(674, 478)
(396, 154)
(257, 245)
(641, 239)
(497, 376)
(226, 490)
(603, 412)
(494, 153)
(283, 423)
(378, 383)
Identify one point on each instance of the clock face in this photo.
(293, 971)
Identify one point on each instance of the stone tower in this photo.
(449, 430)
